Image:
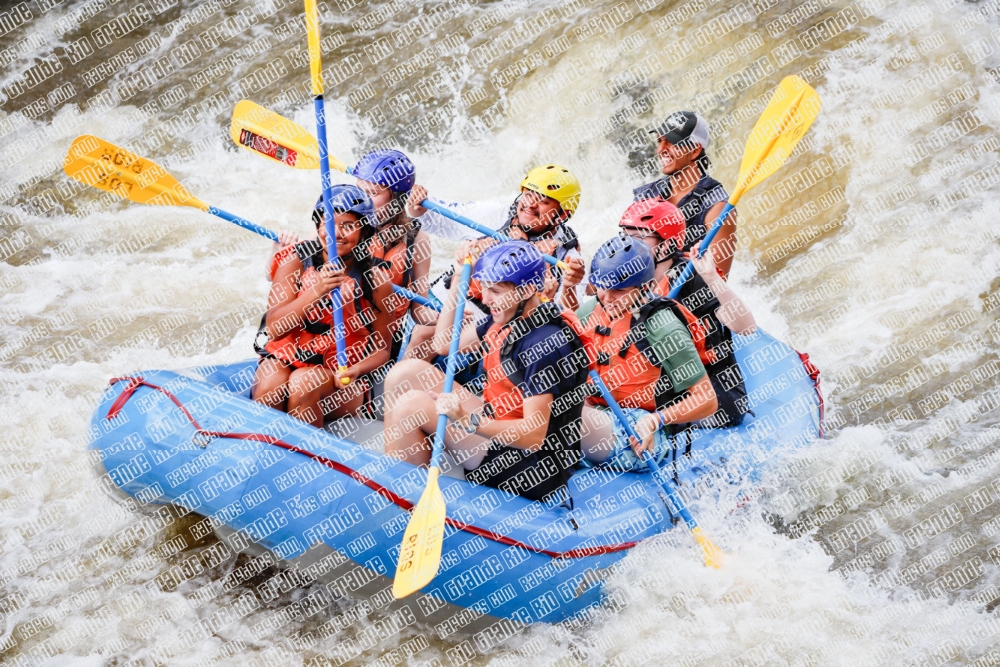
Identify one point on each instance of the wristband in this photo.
(661, 419)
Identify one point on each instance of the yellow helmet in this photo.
(557, 182)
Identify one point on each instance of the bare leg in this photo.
(271, 383)
(411, 417)
(343, 401)
(597, 434)
(407, 375)
(421, 344)
(306, 388)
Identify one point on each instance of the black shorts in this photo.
(533, 475)
(732, 406)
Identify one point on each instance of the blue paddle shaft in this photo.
(449, 375)
(245, 224)
(416, 298)
(472, 224)
(702, 247)
(678, 505)
(331, 228)
(268, 234)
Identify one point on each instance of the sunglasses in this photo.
(636, 232)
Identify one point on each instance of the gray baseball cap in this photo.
(682, 126)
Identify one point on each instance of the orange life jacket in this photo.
(502, 393)
(280, 258)
(399, 259)
(626, 361)
(313, 342)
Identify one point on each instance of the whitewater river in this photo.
(874, 249)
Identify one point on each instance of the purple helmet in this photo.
(389, 168)
(516, 262)
(622, 262)
(348, 199)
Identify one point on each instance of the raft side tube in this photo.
(298, 490)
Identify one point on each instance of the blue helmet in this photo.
(389, 168)
(516, 262)
(622, 262)
(348, 199)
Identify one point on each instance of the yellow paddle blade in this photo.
(266, 133)
(315, 63)
(101, 164)
(420, 553)
(711, 553)
(792, 109)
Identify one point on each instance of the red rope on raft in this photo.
(813, 372)
(135, 382)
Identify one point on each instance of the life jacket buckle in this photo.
(603, 359)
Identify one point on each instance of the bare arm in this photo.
(469, 341)
(571, 278)
(732, 311)
(525, 433)
(724, 243)
(699, 403)
(421, 270)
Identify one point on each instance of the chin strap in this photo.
(512, 223)
(509, 343)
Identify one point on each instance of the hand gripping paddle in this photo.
(792, 109)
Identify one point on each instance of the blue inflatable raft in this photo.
(333, 508)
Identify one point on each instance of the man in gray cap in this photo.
(682, 140)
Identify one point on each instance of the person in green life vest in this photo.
(719, 310)
(646, 356)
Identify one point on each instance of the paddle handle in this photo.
(675, 289)
(416, 298)
(245, 224)
(677, 505)
(268, 234)
(331, 230)
(482, 229)
(449, 375)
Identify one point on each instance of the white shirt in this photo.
(487, 213)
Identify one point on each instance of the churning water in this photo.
(874, 249)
